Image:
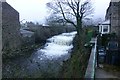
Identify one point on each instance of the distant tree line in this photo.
(42, 32)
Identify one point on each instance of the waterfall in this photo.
(59, 45)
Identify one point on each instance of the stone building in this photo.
(113, 42)
(113, 14)
(10, 27)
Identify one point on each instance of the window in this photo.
(105, 29)
(113, 45)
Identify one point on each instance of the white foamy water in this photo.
(58, 45)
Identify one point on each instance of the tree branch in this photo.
(71, 6)
(69, 21)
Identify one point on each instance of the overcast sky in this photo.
(36, 10)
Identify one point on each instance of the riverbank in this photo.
(24, 51)
(75, 66)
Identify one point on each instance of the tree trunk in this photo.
(79, 32)
(79, 25)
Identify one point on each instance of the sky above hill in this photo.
(36, 10)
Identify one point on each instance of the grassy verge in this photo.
(89, 35)
(75, 67)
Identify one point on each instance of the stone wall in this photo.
(113, 13)
(10, 27)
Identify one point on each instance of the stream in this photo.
(46, 62)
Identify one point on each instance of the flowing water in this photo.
(45, 62)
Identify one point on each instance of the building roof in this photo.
(106, 22)
(26, 33)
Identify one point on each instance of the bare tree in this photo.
(54, 20)
(72, 11)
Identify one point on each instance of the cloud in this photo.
(30, 10)
(100, 8)
(35, 10)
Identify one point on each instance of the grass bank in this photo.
(75, 67)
